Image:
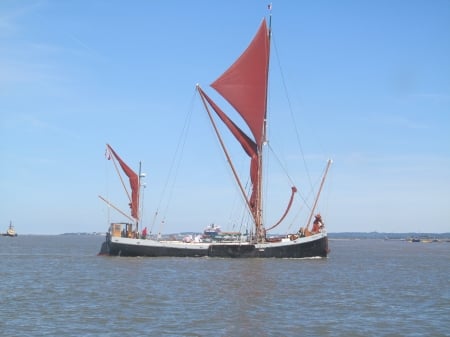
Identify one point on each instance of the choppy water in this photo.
(57, 286)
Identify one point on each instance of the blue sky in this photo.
(368, 84)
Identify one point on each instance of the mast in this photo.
(141, 194)
(318, 193)
(261, 233)
(244, 86)
(139, 201)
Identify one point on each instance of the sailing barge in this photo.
(244, 85)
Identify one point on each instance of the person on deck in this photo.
(144, 233)
(317, 224)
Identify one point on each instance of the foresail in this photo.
(244, 84)
(134, 183)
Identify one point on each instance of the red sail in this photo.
(134, 183)
(247, 144)
(244, 84)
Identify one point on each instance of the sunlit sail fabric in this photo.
(244, 84)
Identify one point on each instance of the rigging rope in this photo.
(283, 167)
(175, 165)
(294, 122)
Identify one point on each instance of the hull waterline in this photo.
(307, 247)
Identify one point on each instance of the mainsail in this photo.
(134, 182)
(244, 85)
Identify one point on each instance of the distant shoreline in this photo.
(388, 236)
(331, 236)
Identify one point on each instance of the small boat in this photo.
(423, 239)
(211, 231)
(244, 85)
(11, 231)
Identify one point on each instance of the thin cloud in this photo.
(33, 123)
(394, 121)
(24, 72)
(9, 25)
(403, 122)
(437, 97)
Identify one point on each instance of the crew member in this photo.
(144, 233)
(317, 224)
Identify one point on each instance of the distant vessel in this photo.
(424, 239)
(11, 231)
(211, 231)
(244, 85)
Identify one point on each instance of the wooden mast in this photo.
(139, 199)
(318, 193)
(260, 230)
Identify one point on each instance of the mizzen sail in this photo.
(134, 182)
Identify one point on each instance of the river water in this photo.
(58, 286)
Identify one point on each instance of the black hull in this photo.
(314, 248)
(317, 248)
